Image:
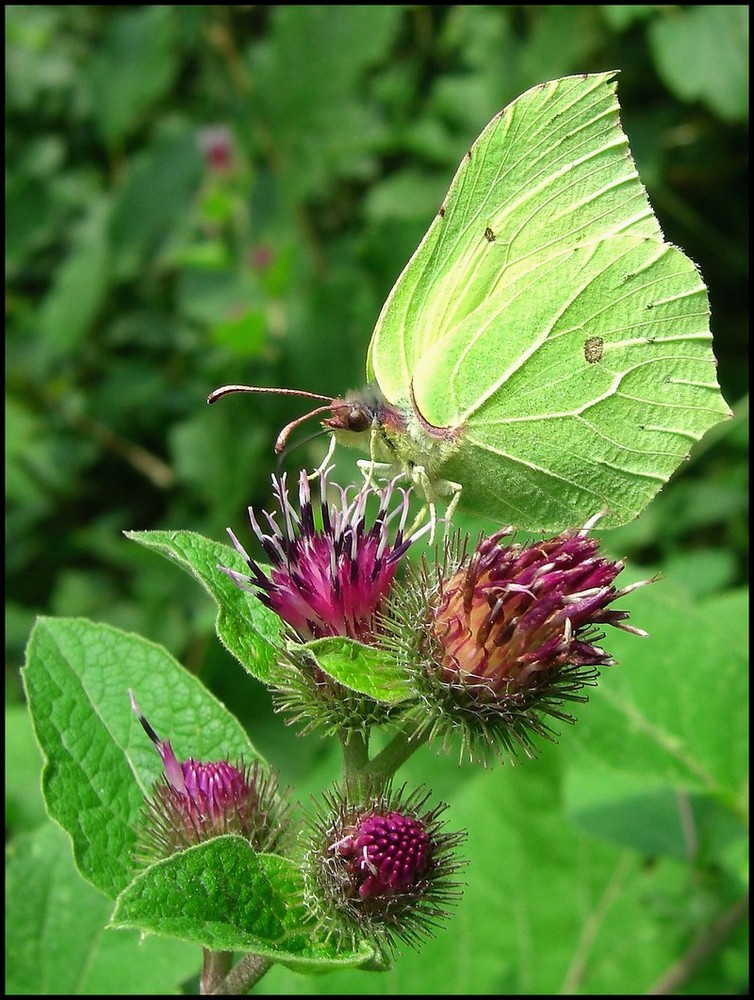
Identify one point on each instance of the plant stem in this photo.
(709, 941)
(397, 752)
(243, 976)
(214, 969)
(355, 759)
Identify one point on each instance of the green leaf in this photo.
(702, 53)
(98, 761)
(224, 896)
(245, 626)
(81, 283)
(56, 942)
(620, 16)
(24, 805)
(307, 78)
(207, 450)
(365, 669)
(156, 198)
(632, 810)
(134, 67)
(572, 905)
(674, 709)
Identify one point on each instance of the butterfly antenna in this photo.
(282, 438)
(227, 390)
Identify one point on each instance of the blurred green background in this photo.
(199, 195)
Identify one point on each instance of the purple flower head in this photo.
(194, 802)
(499, 640)
(513, 614)
(386, 854)
(381, 869)
(333, 579)
(216, 143)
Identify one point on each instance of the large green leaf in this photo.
(307, 74)
(245, 626)
(224, 896)
(702, 53)
(673, 712)
(133, 67)
(98, 761)
(56, 939)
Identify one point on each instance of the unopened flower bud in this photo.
(194, 802)
(381, 870)
(386, 854)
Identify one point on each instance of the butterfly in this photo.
(545, 354)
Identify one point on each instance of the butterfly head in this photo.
(396, 435)
(352, 419)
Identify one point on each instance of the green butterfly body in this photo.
(545, 350)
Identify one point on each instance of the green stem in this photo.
(355, 759)
(240, 979)
(397, 752)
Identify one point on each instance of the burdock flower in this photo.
(511, 634)
(331, 573)
(329, 579)
(387, 853)
(193, 802)
(382, 869)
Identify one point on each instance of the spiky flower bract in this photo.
(499, 641)
(331, 573)
(381, 869)
(193, 802)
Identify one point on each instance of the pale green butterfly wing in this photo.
(551, 170)
(524, 318)
(596, 410)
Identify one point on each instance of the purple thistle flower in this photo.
(216, 143)
(330, 580)
(514, 614)
(381, 869)
(194, 802)
(499, 640)
(386, 854)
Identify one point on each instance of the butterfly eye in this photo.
(359, 418)
(349, 415)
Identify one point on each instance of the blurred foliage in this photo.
(201, 195)
(198, 195)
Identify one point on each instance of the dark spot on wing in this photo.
(489, 235)
(593, 349)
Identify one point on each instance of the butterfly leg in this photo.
(368, 467)
(440, 488)
(325, 461)
(454, 489)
